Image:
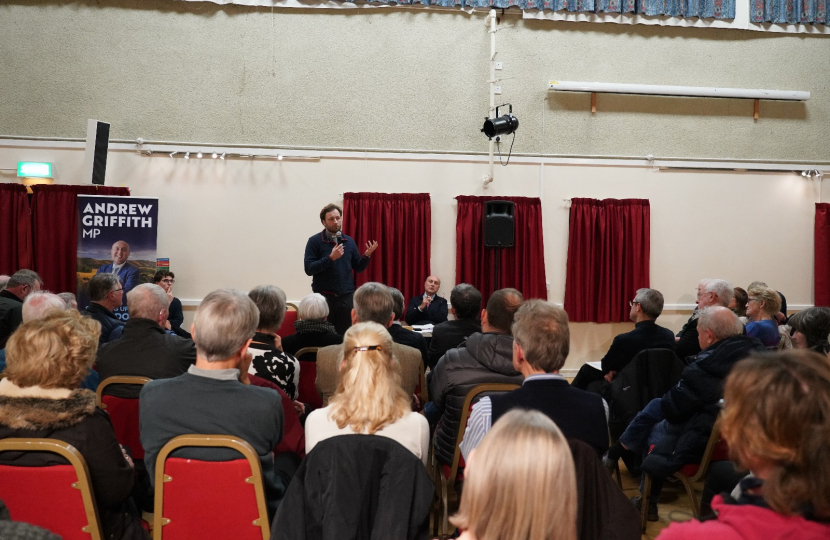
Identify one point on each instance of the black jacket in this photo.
(449, 335)
(11, 315)
(111, 326)
(409, 338)
(144, 350)
(436, 313)
(687, 345)
(693, 401)
(356, 487)
(483, 358)
(646, 335)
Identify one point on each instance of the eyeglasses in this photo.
(116, 290)
(168, 280)
(632, 302)
(751, 299)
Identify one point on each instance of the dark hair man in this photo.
(465, 304)
(330, 258)
(20, 285)
(166, 279)
(105, 294)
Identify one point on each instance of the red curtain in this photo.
(608, 258)
(522, 266)
(402, 225)
(15, 229)
(822, 255)
(55, 231)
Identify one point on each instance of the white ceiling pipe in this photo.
(688, 91)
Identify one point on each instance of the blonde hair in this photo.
(770, 298)
(55, 351)
(369, 394)
(777, 409)
(521, 484)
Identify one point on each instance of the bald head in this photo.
(717, 323)
(147, 301)
(501, 307)
(120, 252)
(39, 303)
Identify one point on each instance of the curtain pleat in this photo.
(608, 258)
(402, 225)
(822, 255)
(55, 232)
(15, 229)
(789, 11)
(522, 266)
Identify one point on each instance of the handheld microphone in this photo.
(338, 238)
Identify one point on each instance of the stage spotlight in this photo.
(501, 125)
(187, 155)
(215, 155)
(279, 157)
(172, 154)
(199, 155)
(222, 156)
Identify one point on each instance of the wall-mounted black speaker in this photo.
(498, 224)
(95, 157)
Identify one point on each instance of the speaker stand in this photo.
(496, 283)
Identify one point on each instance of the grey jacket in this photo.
(483, 358)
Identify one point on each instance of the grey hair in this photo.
(23, 277)
(270, 301)
(101, 284)
(313, 308)
(651, 301)
(69, 299)
(397, 298)
(146, 301)
(39, 303)
(225, 321)
(721, 321)
(4, 279)
(722, 289)
(373, 303)
(541, 330)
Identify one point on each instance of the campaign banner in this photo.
(116, 234)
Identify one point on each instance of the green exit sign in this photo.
(33, 169)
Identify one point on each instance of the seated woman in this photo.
(738, 303)
(811, 329)
(47, 360)
(763, 304)
(519, 483)
(369, 398)
(777, 424)
(311, 328)
(270, 361)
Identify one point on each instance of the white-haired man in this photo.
(710, 292)
(210, 399)
(34, 307)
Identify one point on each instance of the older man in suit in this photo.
(428, 308)
(128, 274)
(372, 302)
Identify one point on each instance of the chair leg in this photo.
(691, 491)
(617, 474)
(445, 518)
(644, 501)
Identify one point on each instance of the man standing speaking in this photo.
(330, 257)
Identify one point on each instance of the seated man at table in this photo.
(428, 308)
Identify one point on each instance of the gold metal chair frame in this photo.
(99, 393)
(213, 441)
(74, 457)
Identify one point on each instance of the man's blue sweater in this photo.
(332, 277)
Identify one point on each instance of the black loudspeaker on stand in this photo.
(499, 230)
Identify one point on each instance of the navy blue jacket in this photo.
(646, 335)
(332, 277)
(436, 313)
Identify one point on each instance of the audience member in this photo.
(678, 424)
(541, 342)
(146, 349)
(4, 279)
(761, 307)
(811, 329)
(427, 308)
(105, 294)
(36, 306)
(738, 303)
(372, 303)
(520, 483)
(485, 357)
(165, 279)
(270, 362)
(311, 329)
(369, 398)
(776, 421)
(210, 399)
(69, 299)
(781, 316)
(20, 285)
(402, 335)
(330, 257)
(465, 304)
(645, 308)
(710, 292)
(39, 398)
(128, 274)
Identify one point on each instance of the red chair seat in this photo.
(124, 415)
(44, 496)
(308, 385)
(209, 499)
(287, 327)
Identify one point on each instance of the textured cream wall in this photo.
(241, 223)
(394, 79)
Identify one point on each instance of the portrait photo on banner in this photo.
(116, 235)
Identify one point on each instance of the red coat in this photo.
(747, 522)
